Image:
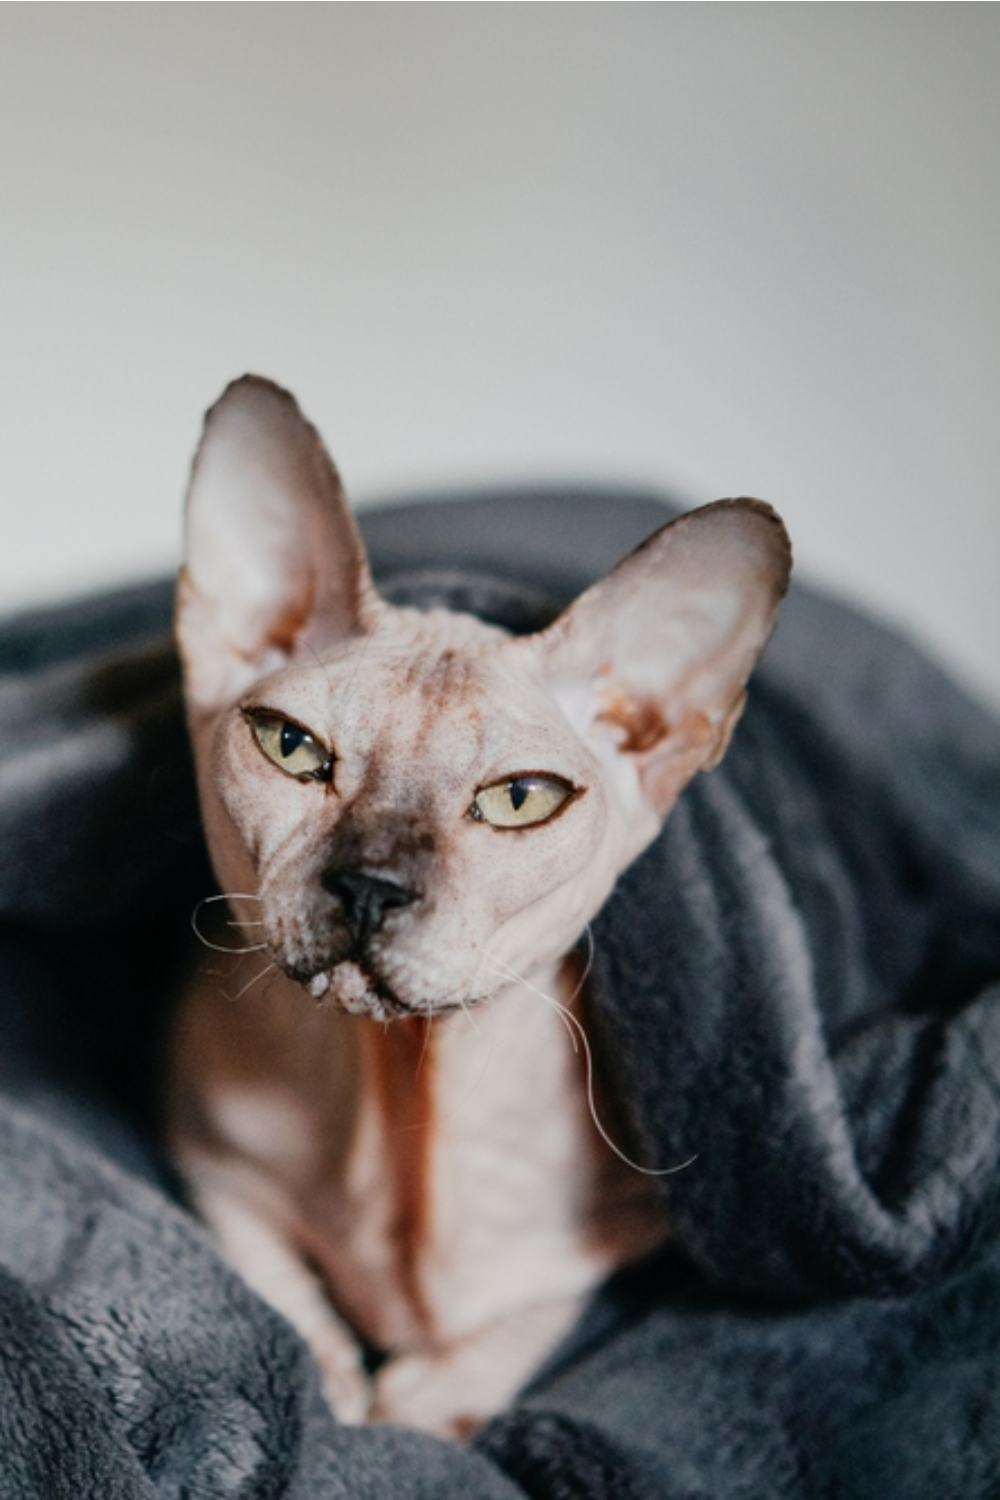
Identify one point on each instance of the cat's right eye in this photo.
(292, 748)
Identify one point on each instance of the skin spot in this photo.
(691, 748)
(641, 720)
(285, 629)
(464, 1427)
(368, 839)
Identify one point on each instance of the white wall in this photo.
(728, 248)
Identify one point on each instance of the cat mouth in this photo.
(355, 985)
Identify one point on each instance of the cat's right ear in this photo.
(273, 562)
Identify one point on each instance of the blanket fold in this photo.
(797, 986)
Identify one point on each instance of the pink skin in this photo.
(633, 689)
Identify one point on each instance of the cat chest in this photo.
(475, 1182)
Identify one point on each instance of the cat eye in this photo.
(291, 748)
(520, 801)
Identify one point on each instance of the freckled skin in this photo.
(436, 1187)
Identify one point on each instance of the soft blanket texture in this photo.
(798, 982)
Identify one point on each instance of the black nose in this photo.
(365, 899)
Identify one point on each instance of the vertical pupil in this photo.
(291, 739)
(518, 792)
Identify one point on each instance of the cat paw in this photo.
(426, 1393)
(345, 1385)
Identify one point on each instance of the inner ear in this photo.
(273, 558)
(655, 657)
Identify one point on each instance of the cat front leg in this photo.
(451, 1391)
(253, 1222)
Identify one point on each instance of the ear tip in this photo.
(254, 416)
(251, 390)
(769, 527)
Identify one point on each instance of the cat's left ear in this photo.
(653, 660)
(273, 559)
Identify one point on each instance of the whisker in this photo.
(474, 1082)
(487, 1064)
(317, 658)
(250, 983)
(221, 947)
(473, 984)
(270, 983)
(568, 1020)
(467, 1013)
(229, 896)
(587, 966)
(362, 655)
(509, 973)
(428, 1022)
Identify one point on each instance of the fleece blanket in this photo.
(798, 984)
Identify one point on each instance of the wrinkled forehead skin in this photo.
(419, 711)
(423, 712)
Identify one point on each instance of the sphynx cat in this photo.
(414, 816)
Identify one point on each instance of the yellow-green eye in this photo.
(521, 801)
(291, 747)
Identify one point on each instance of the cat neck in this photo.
(469, 1120)
(499, 1035)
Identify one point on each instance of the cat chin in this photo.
(359, 990)
(354, 987)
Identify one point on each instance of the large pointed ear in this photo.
(653, 660)
(273, 559)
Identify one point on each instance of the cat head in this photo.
(423, 804)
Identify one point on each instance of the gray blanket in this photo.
(798, 982)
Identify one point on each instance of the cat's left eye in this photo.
(291, 748)
(520, 801)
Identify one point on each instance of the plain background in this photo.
(723, 248)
